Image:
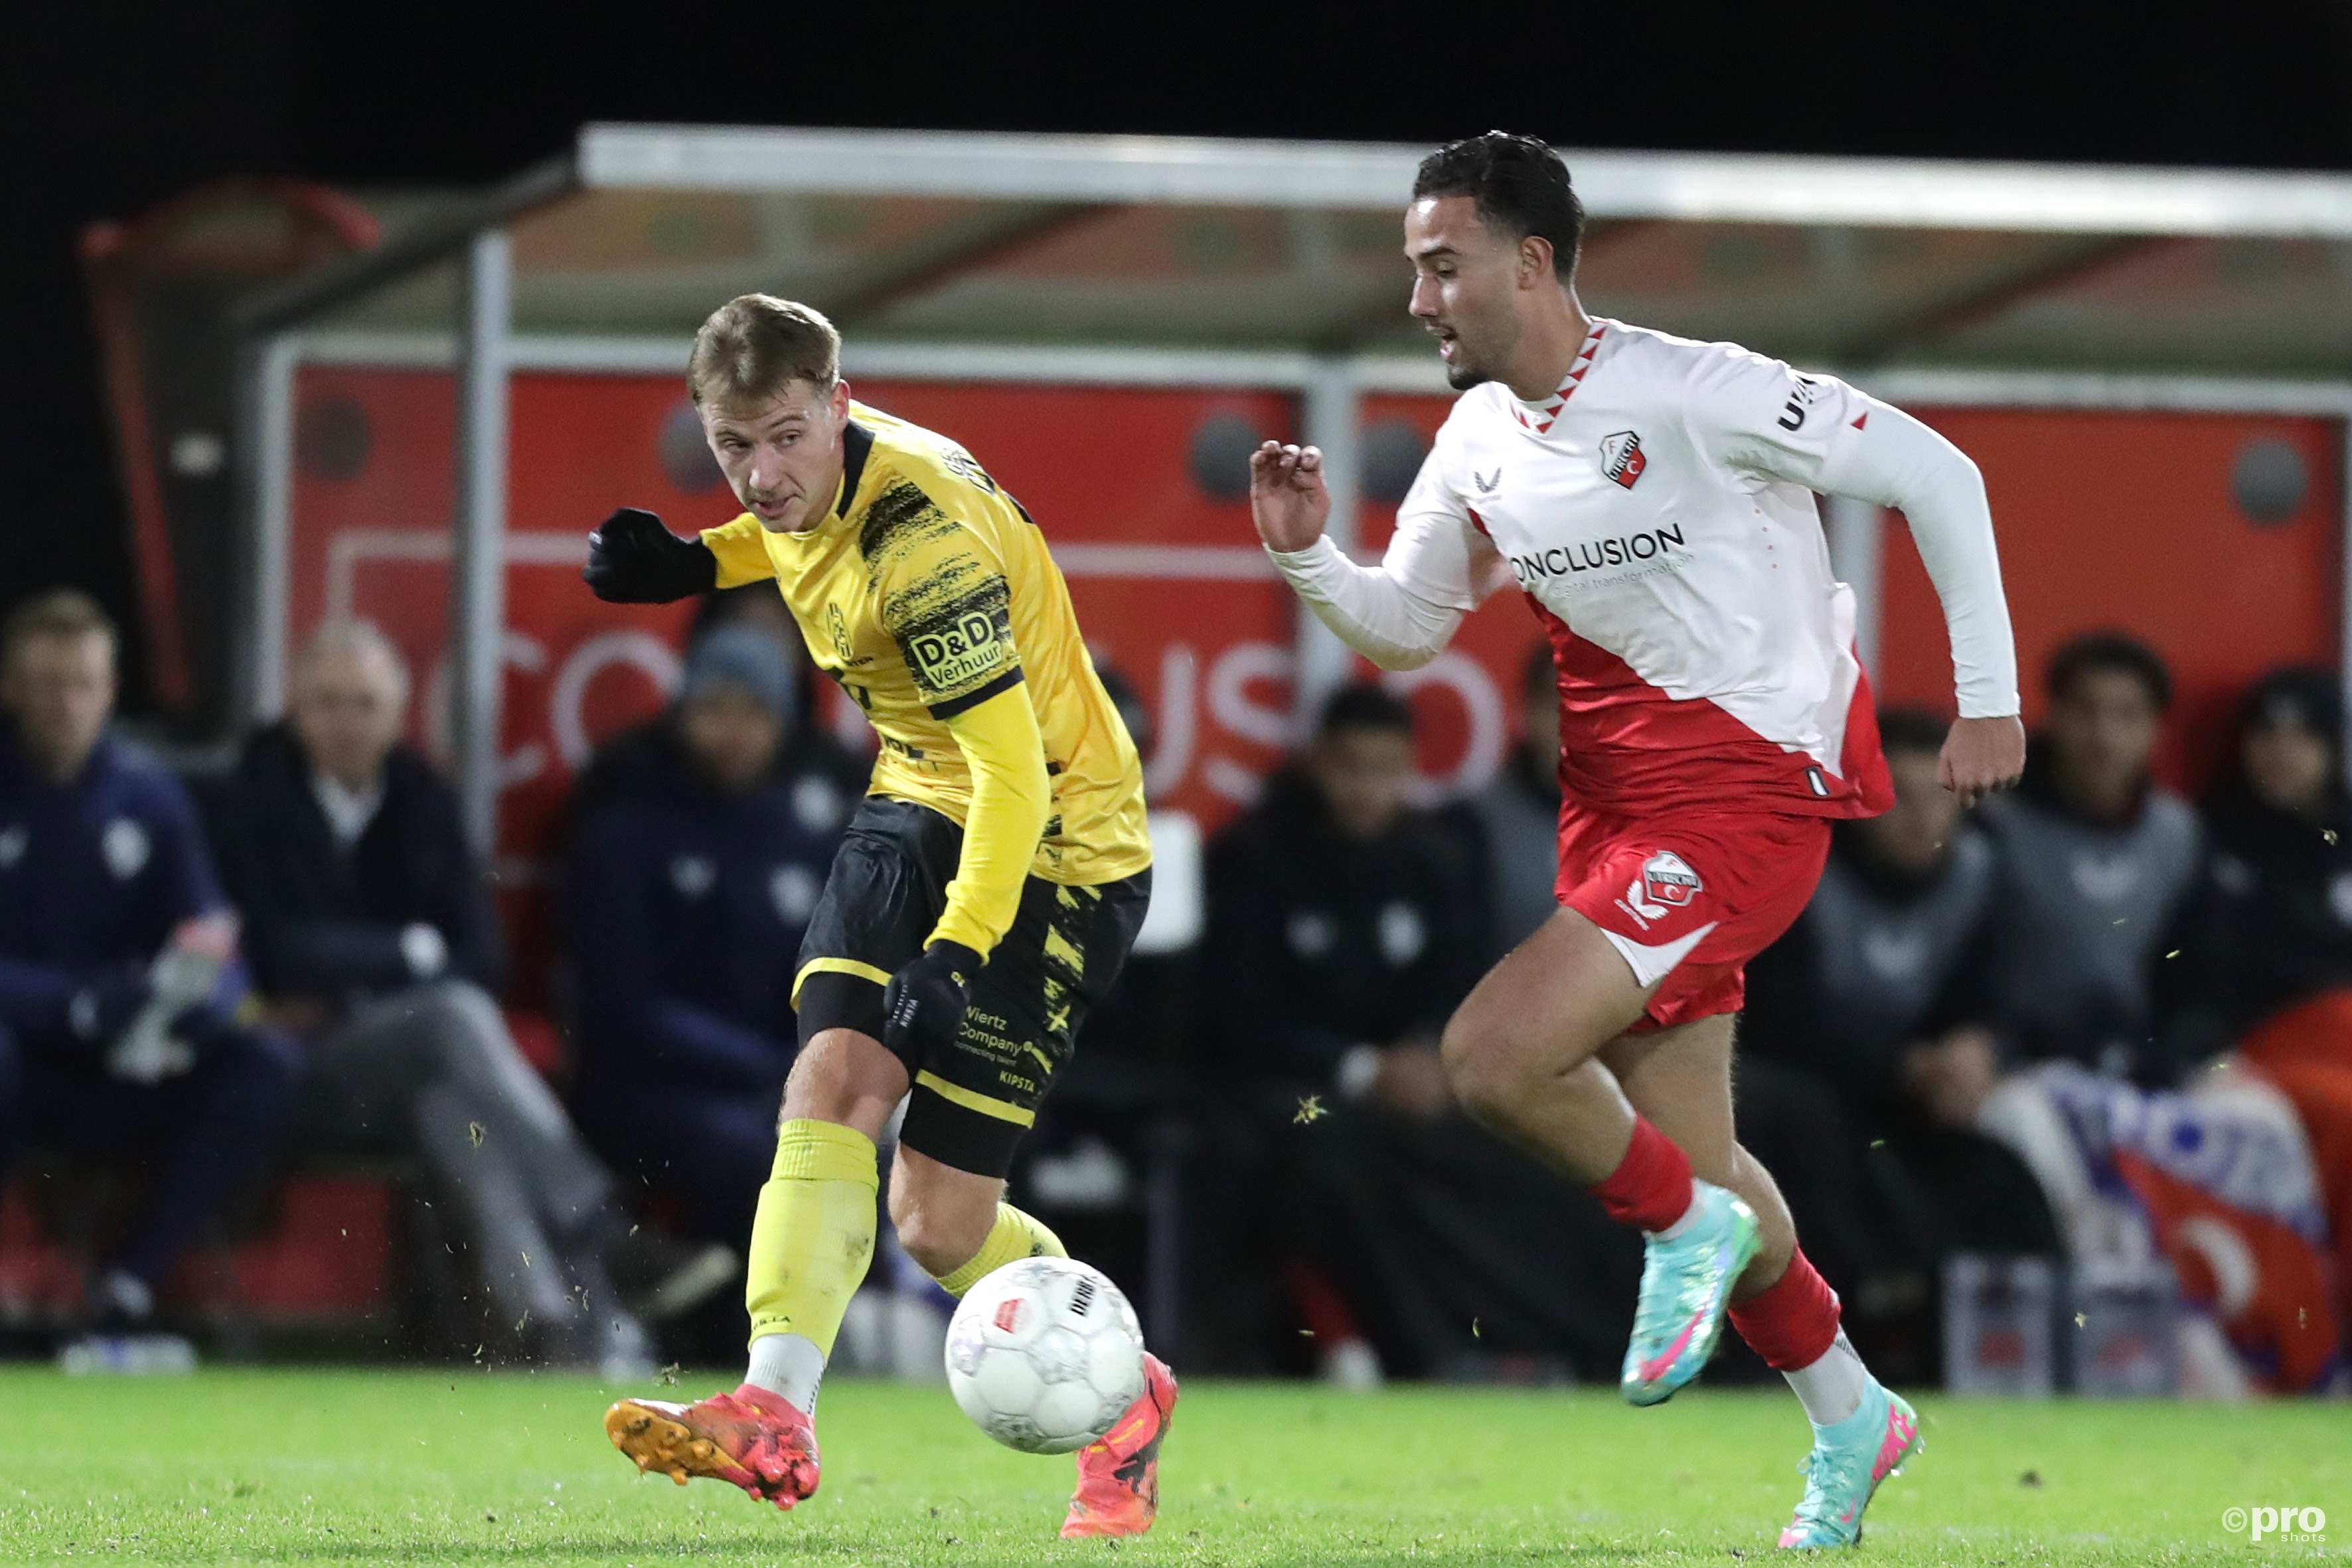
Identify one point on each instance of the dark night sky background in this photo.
(111, 107)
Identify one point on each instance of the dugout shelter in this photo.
(2149, 366)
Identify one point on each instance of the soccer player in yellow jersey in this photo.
(986, 895)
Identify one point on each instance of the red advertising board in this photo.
(2130, 521)
(2215, 537)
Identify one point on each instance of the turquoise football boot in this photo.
(1848, 1461)
(1685, 1289)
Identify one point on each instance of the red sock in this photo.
(1651, 1186)
(1792, 1323)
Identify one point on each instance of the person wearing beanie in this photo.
(2271, 921)
(2264, 961)
(696, 848)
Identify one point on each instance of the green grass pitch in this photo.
(400, 1468)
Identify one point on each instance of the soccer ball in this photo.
(1045, 1355)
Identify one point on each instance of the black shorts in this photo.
(973, 1099)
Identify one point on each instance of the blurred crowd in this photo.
(2090, 1021)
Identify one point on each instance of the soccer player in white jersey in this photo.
(1654, 500)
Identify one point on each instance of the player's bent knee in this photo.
(846, 1078)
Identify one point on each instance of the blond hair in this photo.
(754, 344)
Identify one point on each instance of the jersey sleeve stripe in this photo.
(978, 694)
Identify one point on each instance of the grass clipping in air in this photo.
(464, 1468)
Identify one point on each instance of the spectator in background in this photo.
(116, 985)
(2271, 924)
(1515, 818)
(2091, 861)
(374, 938)
(1343, 928)
(696, 848)
(2266, 962)
(1863, 1060)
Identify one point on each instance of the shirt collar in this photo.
(1538, 416)
(348, 811)
(857, 445)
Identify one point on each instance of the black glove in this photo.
(104, 1008)
(634, 560)
(924, 1005)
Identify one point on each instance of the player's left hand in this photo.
(923, 1005)
(1982, 757)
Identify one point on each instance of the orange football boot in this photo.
(748, 1439)
(1118, 1474)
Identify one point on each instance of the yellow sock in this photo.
(814, 1233)
(1013, 1236)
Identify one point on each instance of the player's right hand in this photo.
(634, 560)
(1289, 501)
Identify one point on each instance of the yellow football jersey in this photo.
(925, 591)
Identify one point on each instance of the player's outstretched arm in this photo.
(1889, 457)
(634, 560)
(1370, 608)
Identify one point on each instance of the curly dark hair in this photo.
(1521, 188)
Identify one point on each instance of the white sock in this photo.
(788, 1366)
(1689, 1217)
(1831, 1389)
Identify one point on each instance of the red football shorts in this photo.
(1689, 902)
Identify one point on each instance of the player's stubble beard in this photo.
(1471, 366)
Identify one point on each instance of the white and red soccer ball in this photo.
(1045, 1355)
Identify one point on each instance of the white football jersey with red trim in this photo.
(1658, 511)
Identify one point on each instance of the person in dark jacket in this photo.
(117, 979)
(1515, 819)
(2264, 961)
(1344, 926)
(371, 933)
(2091, 861)
(2269, 923)
(1863, 1059)
(696, 851)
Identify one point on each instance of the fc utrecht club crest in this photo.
(1621, 457)
(1666, 884)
